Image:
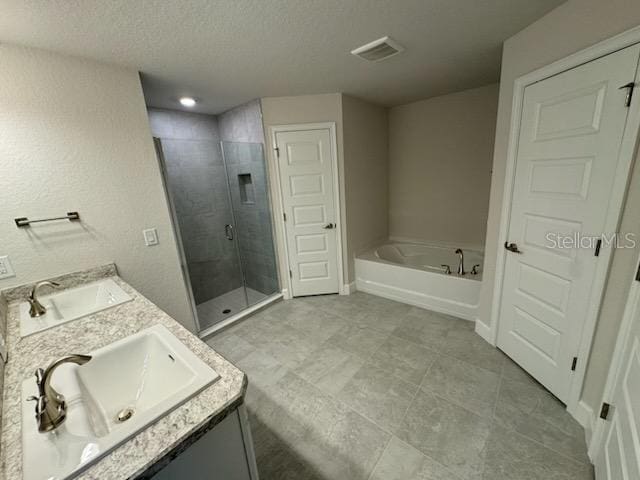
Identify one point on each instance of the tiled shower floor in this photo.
(359, 387)
(212, 311)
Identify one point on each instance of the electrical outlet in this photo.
(150, 237)
(6, 270)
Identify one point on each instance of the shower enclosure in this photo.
(219, 197)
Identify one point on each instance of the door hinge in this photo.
(277, 149)
(284, 215)
(629, 86)
(604, 410)
(598, 246)
(574, 363)
(290, 274)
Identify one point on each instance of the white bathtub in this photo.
(413, 273)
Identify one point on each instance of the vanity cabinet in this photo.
(223, 453)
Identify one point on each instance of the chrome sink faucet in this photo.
(461, 264)
(36, 309)
(51, 408)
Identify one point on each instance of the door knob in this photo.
(328, 226)
(512, 247)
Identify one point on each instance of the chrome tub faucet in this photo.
(461, 263)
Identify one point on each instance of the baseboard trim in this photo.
(583, 414)
(349, 288)
(484, 331)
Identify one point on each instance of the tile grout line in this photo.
(386, 447)
(492, 418)
(522, 435)
(345, 321)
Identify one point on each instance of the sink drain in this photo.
(125, 414)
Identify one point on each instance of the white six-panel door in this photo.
(571, 129)
(306, 165)
(619, 454)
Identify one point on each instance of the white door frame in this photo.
(627, 149)
(331, 126)
(616, 362)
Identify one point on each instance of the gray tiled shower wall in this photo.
(199, 189)
(257, 254)
(242, 123)
(198, 185)
(253, 218)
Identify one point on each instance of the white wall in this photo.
(75, 136)
(440, 155)
(296, 110)
(366, 155)
(569, 28)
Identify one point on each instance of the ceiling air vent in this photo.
(378, 50)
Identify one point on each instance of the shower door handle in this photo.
(228, 231)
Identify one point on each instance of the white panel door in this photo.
(305, 160)
(568, 149)
(619, 454)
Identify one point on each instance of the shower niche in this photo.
(245, 186)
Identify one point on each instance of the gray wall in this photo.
(253, 220)
(366, 175)
(440, 155)
(198, 185)
(242, 123)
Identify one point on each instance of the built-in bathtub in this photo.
(414, 274)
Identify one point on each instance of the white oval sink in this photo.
(126, 386)
(72, 304)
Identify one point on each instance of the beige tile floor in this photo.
(360, 387)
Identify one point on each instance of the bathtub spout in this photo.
(461, 264)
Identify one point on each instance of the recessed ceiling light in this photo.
(188, 102)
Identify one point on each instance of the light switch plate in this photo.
(6, 269)
(150, 237)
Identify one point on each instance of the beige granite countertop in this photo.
(151, 449)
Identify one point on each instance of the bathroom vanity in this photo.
(152, 402)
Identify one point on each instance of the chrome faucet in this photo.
(51, 408)
(36, 309)
(461, 264)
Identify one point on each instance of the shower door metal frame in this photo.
(175, 227)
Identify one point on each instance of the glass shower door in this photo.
(198, 190)
(249, 194)
(219, 198)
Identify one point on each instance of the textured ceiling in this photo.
(227, 52)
